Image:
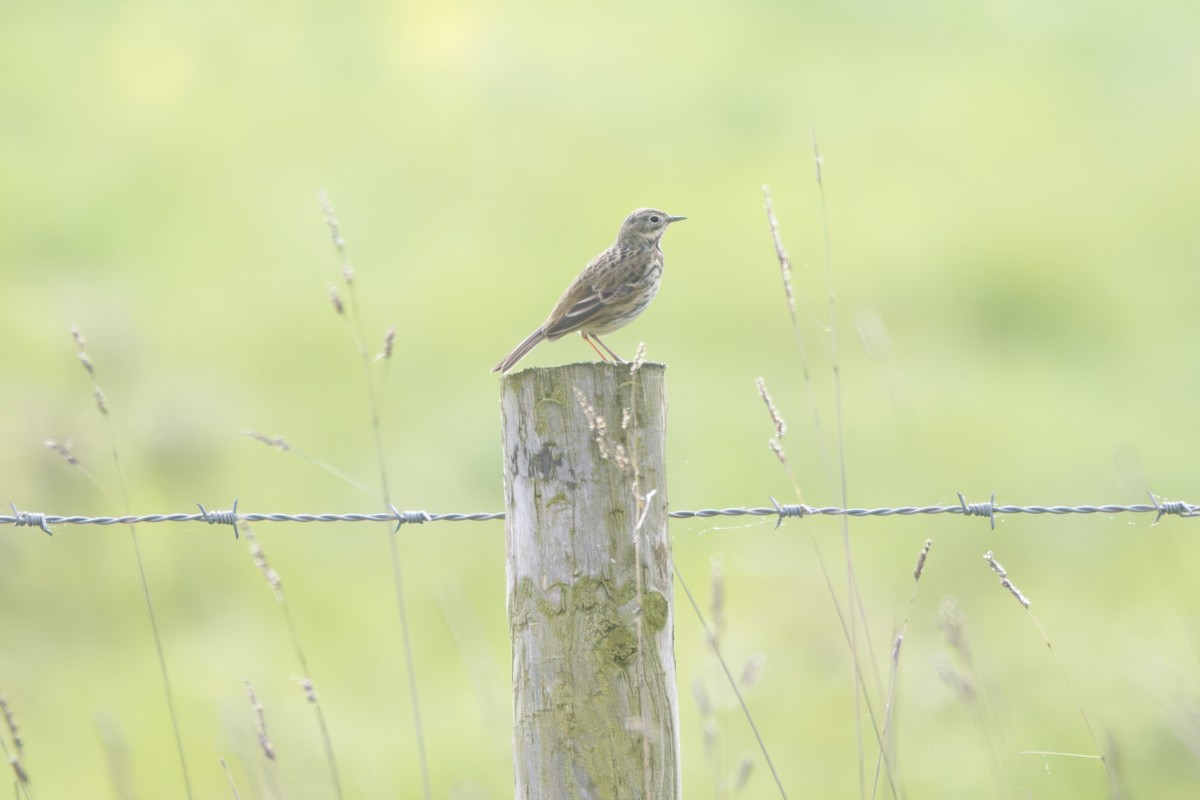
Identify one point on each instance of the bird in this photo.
(612, 289)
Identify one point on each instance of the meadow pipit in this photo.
(614, 288)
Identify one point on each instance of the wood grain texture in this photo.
(594, 696)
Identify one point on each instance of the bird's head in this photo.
(645, 223)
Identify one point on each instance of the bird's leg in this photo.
(596, 338)
(588, 339)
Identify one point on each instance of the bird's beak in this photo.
(676, 219)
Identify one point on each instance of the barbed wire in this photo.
(781, 511)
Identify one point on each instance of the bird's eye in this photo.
(654, 219)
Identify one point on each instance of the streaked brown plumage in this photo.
(614, 288)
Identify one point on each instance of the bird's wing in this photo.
(596, 287)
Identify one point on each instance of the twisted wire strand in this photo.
(232, 517)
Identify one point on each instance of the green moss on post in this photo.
(590, 605)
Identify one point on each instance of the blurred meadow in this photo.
(1012, 198)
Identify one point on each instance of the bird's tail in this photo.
(522, 350)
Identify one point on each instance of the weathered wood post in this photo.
(590, 605)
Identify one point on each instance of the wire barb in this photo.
(987, 509)
(1176, 507)
(229, 517)
(789, 511)
(30, 518)
(409, 517)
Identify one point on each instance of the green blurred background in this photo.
(1013, 195)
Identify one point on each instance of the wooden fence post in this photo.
(590, 605)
